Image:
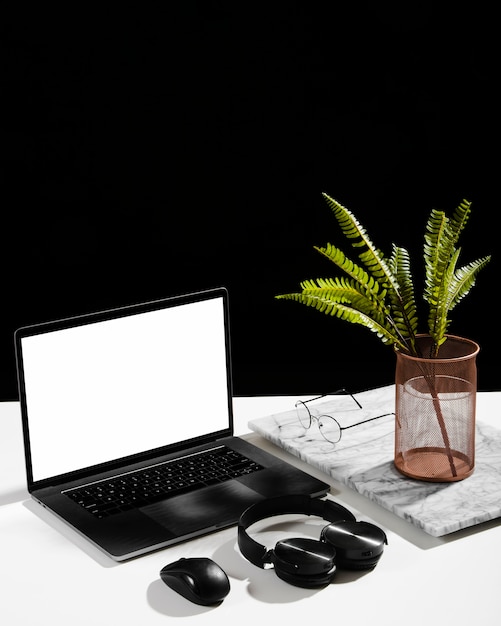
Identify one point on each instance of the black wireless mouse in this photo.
(199, 580)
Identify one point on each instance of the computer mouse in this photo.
(198, 579)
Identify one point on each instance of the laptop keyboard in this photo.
(146, 486)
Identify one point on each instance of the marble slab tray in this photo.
(363, 460)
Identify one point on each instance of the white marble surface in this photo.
(363, 460)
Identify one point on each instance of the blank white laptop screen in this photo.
(111, 389)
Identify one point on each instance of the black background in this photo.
(152, 152)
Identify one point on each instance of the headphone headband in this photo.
(283, 505)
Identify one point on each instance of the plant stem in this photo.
(429, 376)
(430, 379)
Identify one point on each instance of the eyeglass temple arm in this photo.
(371, 419)
(335, 393)
(348, 393)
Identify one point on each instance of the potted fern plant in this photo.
(435, 371)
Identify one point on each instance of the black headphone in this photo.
(303, 562)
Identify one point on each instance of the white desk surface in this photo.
(50, 575)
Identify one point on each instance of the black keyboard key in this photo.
(147, 486)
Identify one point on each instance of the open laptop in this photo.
(108, 394)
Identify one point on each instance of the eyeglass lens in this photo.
(328, 426)
(303, 414)
(330, 429)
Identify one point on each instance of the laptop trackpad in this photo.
(211, 507)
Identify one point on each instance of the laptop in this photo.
(128, 425)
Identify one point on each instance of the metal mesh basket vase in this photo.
(435, 411)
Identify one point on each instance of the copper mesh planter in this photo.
(435, 411)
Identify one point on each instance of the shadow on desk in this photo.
(236, 565)
(263, 585)
(68, 533)
(16, 495)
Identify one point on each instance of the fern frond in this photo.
(437, 254)
(438, 321)
(404, 308)
(464, 279)
(349, 225)
(371, 257)
(347, 291)
(367, 282)
(345, 312)
(441, 237)
(459, 218)
(444, 286)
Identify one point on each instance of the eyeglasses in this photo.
(330, 429)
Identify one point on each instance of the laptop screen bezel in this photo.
(104, 315)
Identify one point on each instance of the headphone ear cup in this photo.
(304, 562)
(359, 545)
(306, 582)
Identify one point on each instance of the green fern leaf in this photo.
(345, 312)
(347, 291)
(438, 321)
(459, 219)
(371, 257)
(404, 302)
(367, 283)
(444, 285)
(437, 248)
(464, 279)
